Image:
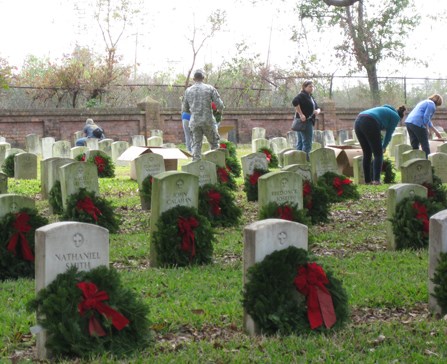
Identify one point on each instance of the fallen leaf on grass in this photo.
(198, 312)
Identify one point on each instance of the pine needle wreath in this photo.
(251, 183)
(104, 164)
(68, 333)
(8, 165)
(146, 191)
(272, 159)
(169, 241)
(338, 187)
(233, 166)
(231, 147)
(286, 211)
(316, 202)
(273, 302)
(225, 178)
(96, 210)
(436, 191)
(15, 260)
(440, 282)
(55, 198)
(388, 171)
(217, 203)
(411, 222)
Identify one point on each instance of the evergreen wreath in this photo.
(183, 237)
(233, 165)
(230, 146)
(217, 203)
(55, 198)
(76, 310)
(8, 165)
(103, 163)
(436, 191)
(440, 281)
(411, 222)
(388, 171)
(146, 190)
(85, 206)
(271, 299)
(272, 159)
(17, 243)
(251, 183)
(225, 178)
(316, 202)
(338, 187)
(286, 211)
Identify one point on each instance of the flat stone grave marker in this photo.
(64, 244)
(13, 202)
(105, 145)
(13, 151)
(396, 139)
(75, 176)
(359, 175)
(280, 187)
(138, 141)
(398, 152)
(254, 160)
(216, 156)
(396, 194)
(49, 173)
(204, 169)
(292, 139)
(3, 183)
(439, 163)
(171, 189)
(47, 147)
(262, 238)
(328, 137)
(32, 142)
(168, 145)
(437, 244)
(442, 148)
(77, 135)
(256, 144)
(417, 171)
(75, 151)
(119, 148)
(157, 132)
(318, 136)
(412, 154)
(302, 169)
(278, 144)
(322, 160)
(2, 139)
(61, 149)
(148, 164)
(280, 156)
(316, 145)
(25, 166)
(154, 141)
(4, 148)
(257, 133)
(92, 143)
(294, 157)
(342, 135)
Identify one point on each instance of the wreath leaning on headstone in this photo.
(411, 222)
(440, 283)
(316, 202)
(251, 183)
(226, 178)
(230, 146)
(8, 165)
(85, 206)
(233, 166)
(183, 237)
(103, 163)
(287, 294)
(55, 198)
(436, 191)
(91, 314)
(17, 243)
(146, 191)
(338, 187)
(272, 159)
(217, 203)
(286, 211)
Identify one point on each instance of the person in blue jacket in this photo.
(419, 120)
(368, 126)
(188, 137)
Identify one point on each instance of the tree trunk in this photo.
(340, 2)
(373, 81)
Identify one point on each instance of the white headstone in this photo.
(252, 161)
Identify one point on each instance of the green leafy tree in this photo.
(5, 73)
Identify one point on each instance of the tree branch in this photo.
(340, 2)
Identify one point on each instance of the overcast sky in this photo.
(52, 27)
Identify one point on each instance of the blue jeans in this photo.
(81, 142)
(188, 137)
(418, 135)
(305, 139)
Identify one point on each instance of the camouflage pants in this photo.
(200, 130)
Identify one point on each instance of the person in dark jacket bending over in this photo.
(367, 127)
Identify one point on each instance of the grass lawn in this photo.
(196, 313)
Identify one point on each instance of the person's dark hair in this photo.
(306, 83)
(401, 111)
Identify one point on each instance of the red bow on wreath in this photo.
(307, 195)
(223, 146)
(83, 158)
(100, 163)
(93, 301)
(267, 155)
(422, 215)
(88, 206)
(338, 184)
(285, 213)
(21, 227)
(430, 190)
(223, 174)
(254, 178)
(185, 230)
(214, 199)
(311, 281)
